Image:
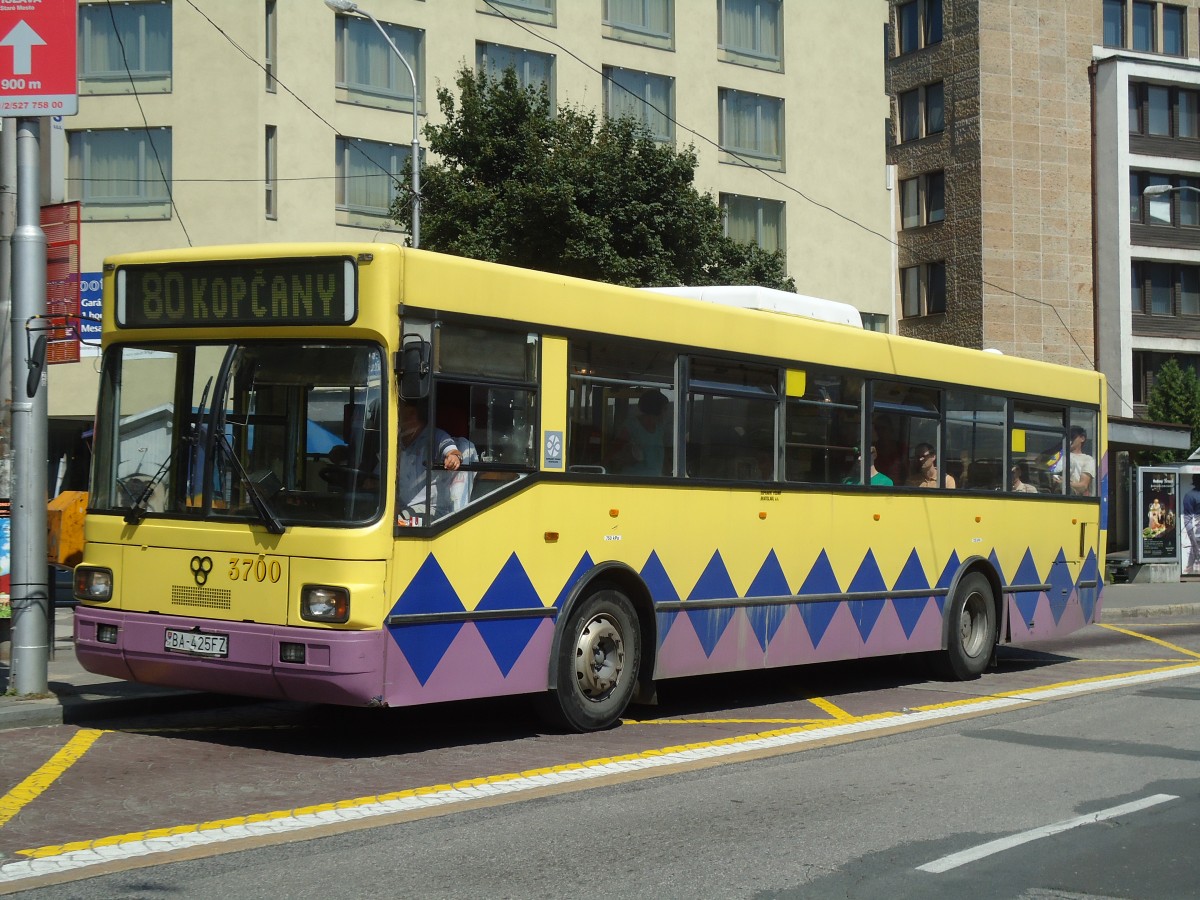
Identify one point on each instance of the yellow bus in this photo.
(362, 474)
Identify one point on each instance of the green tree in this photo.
(1175, 397)
(571, 193)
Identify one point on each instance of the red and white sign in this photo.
(38, 70)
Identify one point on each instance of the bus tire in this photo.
(971, 637)
(598, 661)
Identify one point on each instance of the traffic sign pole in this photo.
(29, 591)
(38, 78)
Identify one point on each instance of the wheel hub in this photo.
(599, 658)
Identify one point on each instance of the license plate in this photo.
(197, 643)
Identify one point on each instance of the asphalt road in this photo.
(830, 781)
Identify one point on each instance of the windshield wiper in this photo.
(138, 511)
(265, 512)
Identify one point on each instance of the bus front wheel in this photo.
(598, 660)
(972, 630)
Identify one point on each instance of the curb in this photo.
(77, 709)
(1143, 612)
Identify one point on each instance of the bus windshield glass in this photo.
(273, 432)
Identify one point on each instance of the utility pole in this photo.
(29, 592)
(8, 216)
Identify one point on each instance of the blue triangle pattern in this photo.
(1087, 596)
(769, 582)
(1061, 586)
(821, 580)
(507, 639)
(425, 645)
(947, 576)
(868, 578)
(654, 576)
(909, 609)
(714, 584)
(584, 566)
(995, 561)
(1027, 601)
(657, 581)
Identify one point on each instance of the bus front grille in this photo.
(200, 598)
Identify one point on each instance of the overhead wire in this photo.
(146, 123)
(783, 184)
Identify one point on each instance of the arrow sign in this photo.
(38, 75)
(22, 39)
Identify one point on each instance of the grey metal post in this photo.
(8, 218)
(352, 9)
(29, 592)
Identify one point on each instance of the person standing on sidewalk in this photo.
(1191, 527)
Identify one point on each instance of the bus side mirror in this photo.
(415, 374)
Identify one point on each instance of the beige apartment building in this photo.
(229, 121)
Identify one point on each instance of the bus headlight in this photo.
(322, 603)
(93, 585)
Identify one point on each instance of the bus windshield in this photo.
(274, 432)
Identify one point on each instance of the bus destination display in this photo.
(289, 292)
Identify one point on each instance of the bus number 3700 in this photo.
(249, 568)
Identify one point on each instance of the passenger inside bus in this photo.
(925, 469)
(640, 445)
(419, 496)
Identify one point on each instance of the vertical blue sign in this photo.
(91, 286)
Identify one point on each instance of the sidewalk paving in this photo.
(77, 697)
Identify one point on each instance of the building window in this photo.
(876, 322)
(750, 32)
(1157, 110)
(918, 25)
(923, 200)
(923, 289)
(270, 177)
(368, 71)
(1174, 31)
(369, 174)
(1179, 208)
(124, 48)
(751, 126)
(648, 22)
(646, 98)
(1147, 26)
(539, 11)
(1165, 289)
(753, 220)
(270, 52)
(1114, 23)
(121, 173)
(534, 70)
(1146, 365)
(922, 111)
(1144, 27)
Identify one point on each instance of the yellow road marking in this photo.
(1025, 692)
(33, 786)
(816, 726)
(1154, 640)
(836, 711)
(721, 721)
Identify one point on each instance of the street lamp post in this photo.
(353, 9)
(1157, 190)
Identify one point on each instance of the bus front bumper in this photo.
(340, 667)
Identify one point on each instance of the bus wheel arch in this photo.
(607, 617)
(970, 622)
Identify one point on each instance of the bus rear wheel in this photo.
(598, 661)
(972, 630)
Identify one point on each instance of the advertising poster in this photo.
(5, 570)
(1158, 539)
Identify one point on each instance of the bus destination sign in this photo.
(221, 293)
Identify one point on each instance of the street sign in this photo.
(38, 70)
